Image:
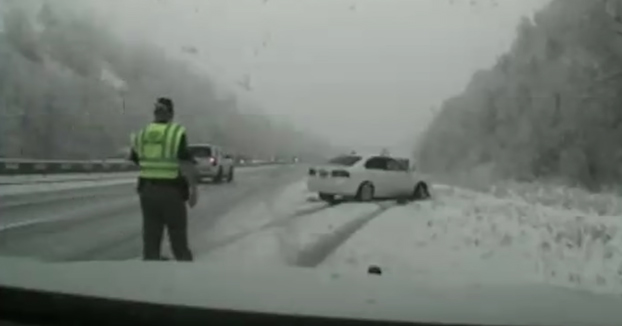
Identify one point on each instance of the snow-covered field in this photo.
(511, 233)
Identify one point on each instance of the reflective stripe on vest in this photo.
(157, 146)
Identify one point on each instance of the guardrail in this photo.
(26, 166)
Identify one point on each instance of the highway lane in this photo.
(61, 177)
(103, 223)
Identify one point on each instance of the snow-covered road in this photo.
(459, 235)
(509, 233)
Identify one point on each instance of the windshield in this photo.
(200, 151)
(345, 160)
(450, 141)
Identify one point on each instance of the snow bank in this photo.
(476, 236)
(605, 203)
(547, 194)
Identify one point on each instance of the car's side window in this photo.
(376, 163)
(393, 165)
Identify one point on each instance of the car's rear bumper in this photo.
(207, 172)
(332, 186)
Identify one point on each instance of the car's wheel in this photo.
(230, 175)
(365, 192)
(219, 175)
(327, 198)
(421, 191)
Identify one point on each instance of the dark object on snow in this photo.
(373, 269)
(403, 201)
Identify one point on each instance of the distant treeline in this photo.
(550, 108)
(70, 89)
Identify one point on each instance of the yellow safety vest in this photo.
(157, 146)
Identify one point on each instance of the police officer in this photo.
(166, 182)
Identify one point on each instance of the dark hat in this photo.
(167, 102)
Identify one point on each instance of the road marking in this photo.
(16, 225)
(80, 214)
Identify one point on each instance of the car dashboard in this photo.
(30, 307)
(170, 293)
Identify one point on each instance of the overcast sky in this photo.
(363, 73)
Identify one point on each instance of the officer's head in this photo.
(163, 110)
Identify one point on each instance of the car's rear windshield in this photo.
(345, 160)
(200, 151)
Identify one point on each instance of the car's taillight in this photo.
(311, 171)
(340, 174)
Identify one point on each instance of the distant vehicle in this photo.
(240, 159)
(367, 177)
(212, 162)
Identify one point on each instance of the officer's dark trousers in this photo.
(163, 207)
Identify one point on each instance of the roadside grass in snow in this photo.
(502, 232)
(550, 193)
(603, 203)
(576, 232)
(467, 236)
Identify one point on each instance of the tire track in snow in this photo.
(312, 210)
(315, 254)
(217, 244)
(273, 224)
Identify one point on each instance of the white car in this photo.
(212, 162)
(365, 178)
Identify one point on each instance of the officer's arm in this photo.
(133, 156)
(186, 162)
